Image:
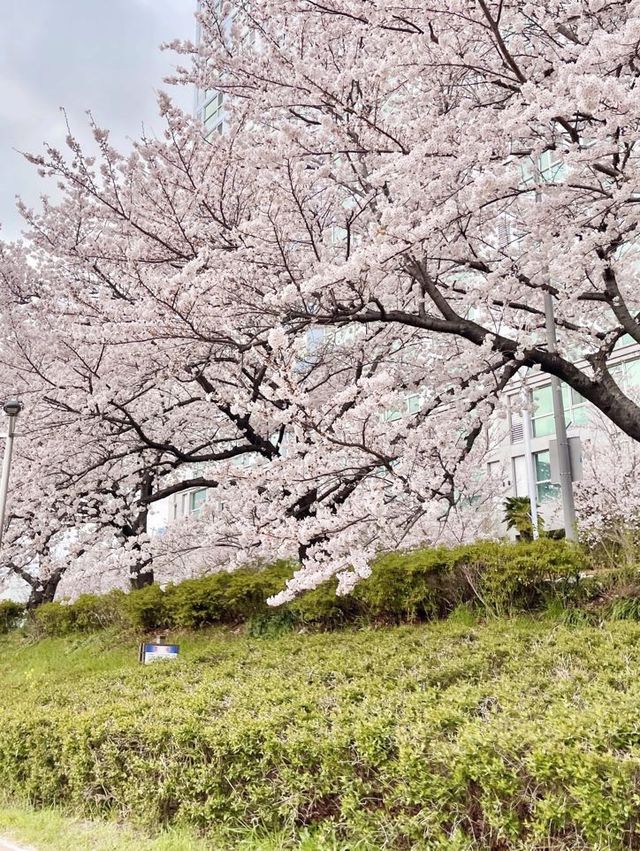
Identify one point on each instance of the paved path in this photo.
(6, 845)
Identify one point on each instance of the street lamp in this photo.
(11, 408)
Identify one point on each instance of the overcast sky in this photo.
(101, 55)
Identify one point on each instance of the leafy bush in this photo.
(87, 613)
(412, 586)
(90, 612)
(11, 615)
(499, 578)
(323, 608)
(420, 585)
(520, 577)
(147, 608)
(52, 619)
(450, 735)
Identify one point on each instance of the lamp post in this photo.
(11, 409)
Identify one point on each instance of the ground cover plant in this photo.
(517, 733)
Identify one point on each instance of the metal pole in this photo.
(528, 458)
(6, 469)
(562, 442)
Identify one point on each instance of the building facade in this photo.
(584, 426)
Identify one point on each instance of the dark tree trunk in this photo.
(142, 572)
(44, 591)
(141, 577)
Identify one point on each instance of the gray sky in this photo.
(101, 55)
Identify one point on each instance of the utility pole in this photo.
(564, 458)
(11, 409)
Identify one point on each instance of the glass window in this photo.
(627, 340)
(547, 491)
(575, 407)
(542, 401)
(545, 488)
(413, 403)
(543, 426)
(580, 415)
(633, 373)
(196, 500)
(542, 417)
(575, 410)
(627, 377)
(213, 111)
(391, 416)
(551, 166)
(542, 466)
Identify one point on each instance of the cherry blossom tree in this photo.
(74, 491)
(314, 314)
(474, 156)
(608, 496)
(441, 172)
(143, 386)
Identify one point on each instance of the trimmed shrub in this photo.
(323, 608)
(88, 613)
(511, 578)
(52, 619)
(497, 578)
(147, 608)
(227, 598)
(11, 615)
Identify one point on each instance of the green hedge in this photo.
(497, 578)
(11, 615)
(508, 735)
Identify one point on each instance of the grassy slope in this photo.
(446, 729)
(50, 830)
(64, 662)
(24, 664)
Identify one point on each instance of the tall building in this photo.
(209, 104)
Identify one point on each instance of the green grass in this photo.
(519, 733)
(51, 830)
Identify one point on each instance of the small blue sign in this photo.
(158, 652)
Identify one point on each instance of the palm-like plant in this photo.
(517, 515)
